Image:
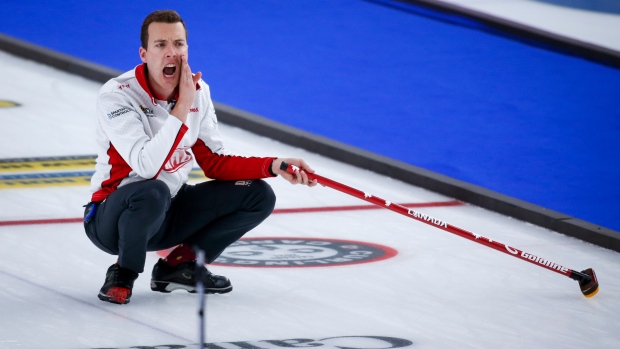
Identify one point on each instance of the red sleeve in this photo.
(230, 167)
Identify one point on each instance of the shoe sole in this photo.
(167, 287)
(116, 295)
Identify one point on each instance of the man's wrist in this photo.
(180, 112)
(271, 168)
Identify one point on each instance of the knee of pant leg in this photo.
(158, 190)
(159, 194)
(267, 196)
(154, 193)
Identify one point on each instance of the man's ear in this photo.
(142, 54)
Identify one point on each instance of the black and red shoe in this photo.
(166, 278)
(118, 285)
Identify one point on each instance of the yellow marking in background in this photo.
(44, 182)
(47, 165)
(7, 104)
(68, 181)
(198, 175)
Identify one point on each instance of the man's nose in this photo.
(171, 52)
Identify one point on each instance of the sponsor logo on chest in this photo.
(118, 112)
(148, 112)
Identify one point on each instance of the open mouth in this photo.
(169, 70)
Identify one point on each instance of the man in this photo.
(153, 122)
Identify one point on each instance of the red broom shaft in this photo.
(439, 224)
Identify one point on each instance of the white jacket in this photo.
(138, 139)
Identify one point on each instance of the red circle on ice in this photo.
(286, 252)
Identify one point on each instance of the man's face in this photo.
(167, 43)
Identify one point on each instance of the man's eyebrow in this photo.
(165, 40)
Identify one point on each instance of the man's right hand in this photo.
(299, 177)
(187, 90)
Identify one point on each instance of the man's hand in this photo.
(299, 177)
(187, 90)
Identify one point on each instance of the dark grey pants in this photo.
(141, 217)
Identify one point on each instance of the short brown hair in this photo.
(160, 16)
